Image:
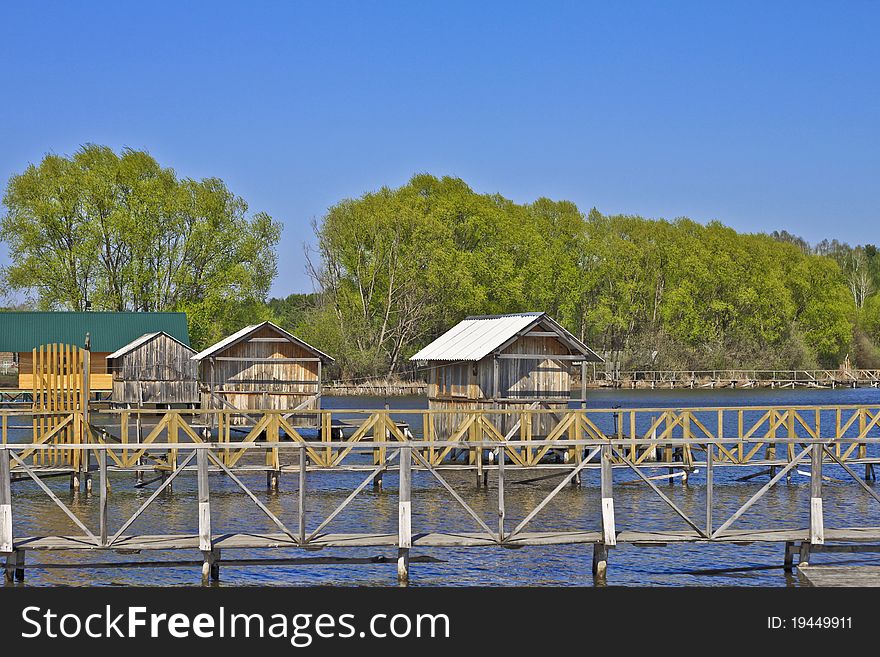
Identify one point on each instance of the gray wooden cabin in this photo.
(502, 362)
(155, 368)
(262, 367)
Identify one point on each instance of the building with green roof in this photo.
(23, 331)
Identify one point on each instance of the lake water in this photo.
(636, 505)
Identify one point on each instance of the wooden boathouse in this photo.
(155, 368)
(23, 333)
(261, 367)
(505, 362)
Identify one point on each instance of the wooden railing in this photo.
(744, 435)
(803, 377)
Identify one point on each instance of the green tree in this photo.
(120, 232)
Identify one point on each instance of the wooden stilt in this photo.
(210, 557)
(6, 542)
(301, 495)
(15, 566)
(210, 566)
(272, 480)
(804, 557)
(404, 516)
(788, 563)
(609, 531)
(817, 523)
(600, 563)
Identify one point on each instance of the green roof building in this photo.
(23, 331)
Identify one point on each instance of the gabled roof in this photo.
(476, 337)
(22, 331)
(146, 337)
(253, 328)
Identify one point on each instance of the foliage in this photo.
(119, 232)
(396, 267)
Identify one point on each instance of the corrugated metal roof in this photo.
(247, 330)
(476, 337)
(137, 342)
(21, 331)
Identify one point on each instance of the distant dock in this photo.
(672, 379)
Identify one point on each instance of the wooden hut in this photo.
(155, 368)
(261, 367)
(502, 362)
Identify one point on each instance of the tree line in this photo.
(395, 268)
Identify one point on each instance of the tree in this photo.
(120, 232)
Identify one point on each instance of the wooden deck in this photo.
(854, 575)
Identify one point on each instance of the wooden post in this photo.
(789, 557)
(211, 557)
(404, 516)
(15, 566)
(710, 457)
(600, 563)
(139, 430)
(804, 557)
(102, 504)
(86, 396)
(301, 494)
(501, 509)
(479, 467)
(609, 533)
(6, 543)
(817, 523)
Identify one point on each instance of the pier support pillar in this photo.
(404, 516)
(804, 557)
(788, 563)
(600, 563)
(210, 566)
(74, 481)
(403, 566)
(273, 478)
(14, 569)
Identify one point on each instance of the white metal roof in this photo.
(247, 330)
(137, 342)
(475, 338)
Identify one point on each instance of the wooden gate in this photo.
(60, 394)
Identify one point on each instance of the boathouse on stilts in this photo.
(508, 362)
(155, 369)
(262, 367)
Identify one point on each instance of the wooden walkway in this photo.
(204, 443)
(854, 575)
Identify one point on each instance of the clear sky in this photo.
(763, 115)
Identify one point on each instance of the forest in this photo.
(394, 268)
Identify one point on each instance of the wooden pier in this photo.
(671, 379)
(846, 575)
(641, 442)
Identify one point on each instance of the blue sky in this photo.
(763, 115)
